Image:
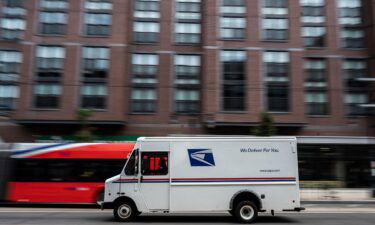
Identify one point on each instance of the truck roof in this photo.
(198, 138)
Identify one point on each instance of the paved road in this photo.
(316, 214)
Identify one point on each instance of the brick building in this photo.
(159, 67)
(153, 67)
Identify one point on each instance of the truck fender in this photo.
(246, 193)
(125, 199)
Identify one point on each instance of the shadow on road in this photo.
(204, 219)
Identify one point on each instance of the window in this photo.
(12, 28)
(232, 20)
(144, 70)
(275, 29)
(154, 163)
(50, 57)
(145, 65)
(54, 4)
(313, 23)
(188, 9)
(233, 67)
(275, 23)
(8, 95)
(146, 32)
(53, 22)
(188, 27)
(232, 28)
(13, 8)
(188, 33)
(143, 100)
(99, 5)
(65, 170)
(313, 36)
(14, 3)
(50, 64)
(357, 90)
(98, 24)
(148, 9)
(187, 94)
(132, 164)
(277, 80)
(146, 27)
(47, 95)
(95, 66)
(350, 19)
(93, 95)
(10, 62)
(316, 97)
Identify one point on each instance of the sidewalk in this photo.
(338, 195)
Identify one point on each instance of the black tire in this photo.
(246, 212)
(125, 211)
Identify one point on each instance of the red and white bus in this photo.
(59, 173)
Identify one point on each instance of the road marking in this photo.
(320, 211)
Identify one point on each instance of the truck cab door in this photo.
(129, 177)
(154, 180)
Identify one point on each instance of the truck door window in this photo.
(131, 166)
(154, 163)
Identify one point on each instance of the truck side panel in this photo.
(206, 174)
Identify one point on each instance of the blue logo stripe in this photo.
(38, 148)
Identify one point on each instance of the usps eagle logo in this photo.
(201, 157)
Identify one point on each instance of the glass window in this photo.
(277, 80)
(146, 32)
(10, 62)
(234, 76)
(50, 57)
(147, 9)
(188, 33)
(132, 164)
(154, 163)
(357, 91)
(12, 28)
(54, 4)
(53, 22)
(351, 21)
(98, 24)
(143, 100)
(8, 95)
(145, 64)
(102, 5)
(188, 9)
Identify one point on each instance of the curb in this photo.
(368, 202)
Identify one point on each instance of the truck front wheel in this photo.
(246, 212)
(124, 211)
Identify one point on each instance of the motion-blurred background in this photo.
(114, 70)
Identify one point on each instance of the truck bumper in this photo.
(105, 205)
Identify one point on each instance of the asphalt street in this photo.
(355, 214)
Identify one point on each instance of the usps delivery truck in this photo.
(239, 175)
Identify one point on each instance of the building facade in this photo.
(160, 67)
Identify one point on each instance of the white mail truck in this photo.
(239, 175)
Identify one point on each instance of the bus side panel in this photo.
(53, 192)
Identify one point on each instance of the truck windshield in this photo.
(131, 166)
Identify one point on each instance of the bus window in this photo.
(154, 163)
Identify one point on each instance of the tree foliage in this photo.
(85, 134)
(266, 127)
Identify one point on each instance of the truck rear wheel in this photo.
(124, 211)
(246, 212)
